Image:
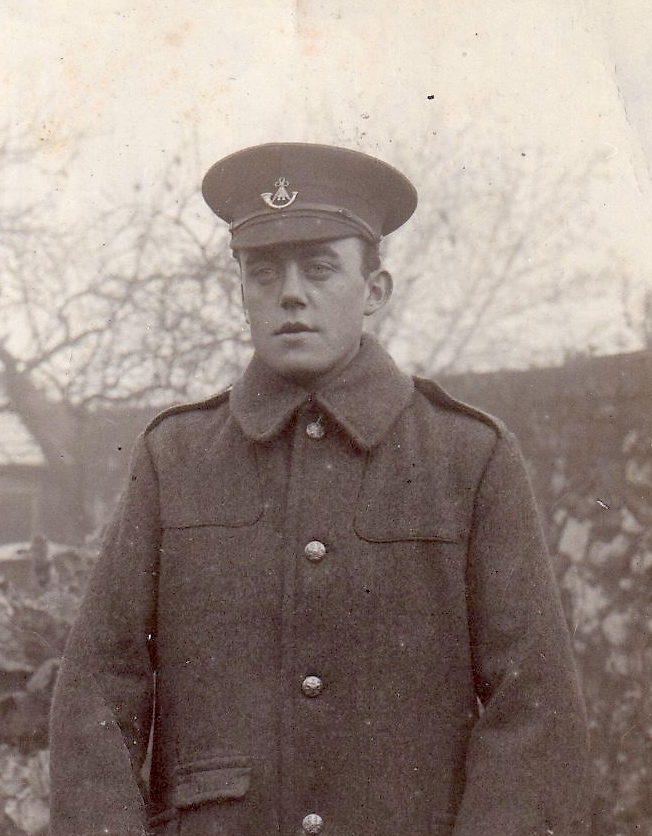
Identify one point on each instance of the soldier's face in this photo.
(306, 303)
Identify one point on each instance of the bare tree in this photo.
(140, 307)
(499, 251)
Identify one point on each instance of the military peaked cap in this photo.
(289, 192)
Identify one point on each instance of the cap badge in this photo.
(281, 197)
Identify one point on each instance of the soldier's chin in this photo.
(303, 373)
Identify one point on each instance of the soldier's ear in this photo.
(379, 286)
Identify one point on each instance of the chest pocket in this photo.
(216, 483)
(412, 496)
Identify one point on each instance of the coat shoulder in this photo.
(208, 406)
(438, 397)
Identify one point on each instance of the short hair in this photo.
(369, 257)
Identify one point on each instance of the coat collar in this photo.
(365, 399)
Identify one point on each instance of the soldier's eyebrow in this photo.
(254, 256)
(315, 250)
(312, 249)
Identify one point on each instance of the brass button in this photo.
(315, 430)
(315, 551)
(312, 686)
(313, 824)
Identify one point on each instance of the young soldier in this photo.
(326, 589)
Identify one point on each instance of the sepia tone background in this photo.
(522, 281)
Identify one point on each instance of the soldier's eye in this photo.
(318, 269)
(263, 273)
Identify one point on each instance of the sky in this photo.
(113, 92)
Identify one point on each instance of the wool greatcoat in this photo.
(345, 603)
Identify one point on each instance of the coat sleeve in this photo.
(527, 763)
(102, 705)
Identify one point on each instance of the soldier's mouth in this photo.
(294, 328)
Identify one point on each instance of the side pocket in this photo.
(215, 779)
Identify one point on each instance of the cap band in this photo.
(307, 210)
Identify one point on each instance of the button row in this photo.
(312, 686)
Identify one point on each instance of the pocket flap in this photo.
(214, 482)
(415, 489)
(411, 499)
(200, 783)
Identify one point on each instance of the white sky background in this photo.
(126, 84)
